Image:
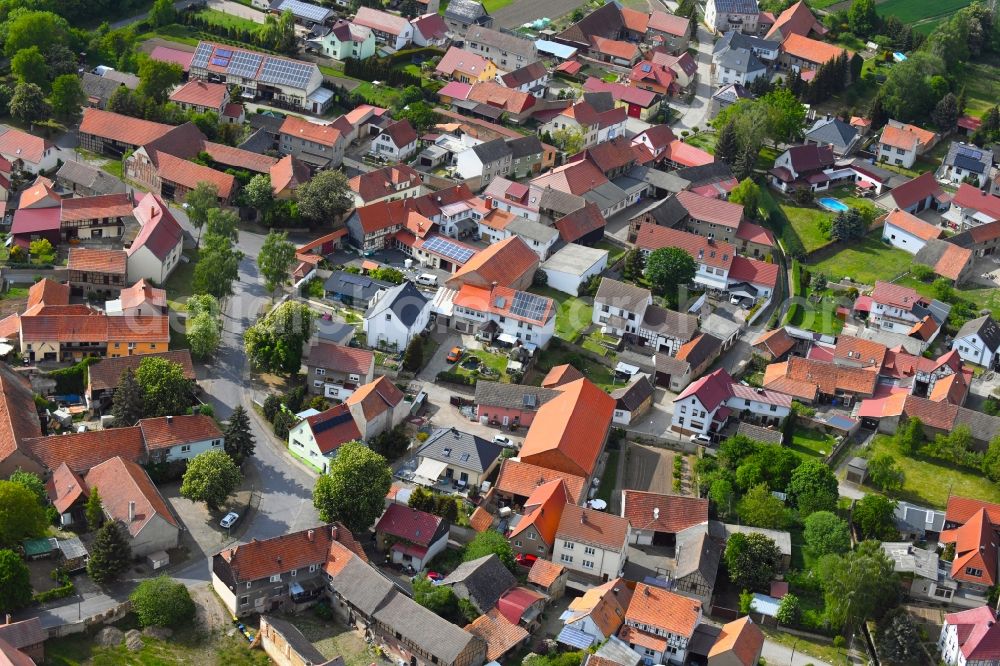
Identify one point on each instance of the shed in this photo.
(74, 553)
(572, 266)
(158, 559)
(36, 549)
(857, 470)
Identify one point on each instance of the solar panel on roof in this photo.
(225, 53)
(305, 10)
(446, 248)
(201, 55)
(529, 306)
(220, 62)
(245, 64)
(647, 68)
(286, 72)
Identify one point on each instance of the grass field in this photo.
(705, 141)
(493, 5)
(920, 13)
(572, 314)
(982, 85)
(596, 372)
(187, 647)
(614, 251)
(805, 221)
(930, 482)
(609, 478)
(820, 317)
(865, 261)
(384, 96)
(178, 285)
(225, 20)
(811, 443)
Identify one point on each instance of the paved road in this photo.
(696, 114)
(777, 654)
(180, 4)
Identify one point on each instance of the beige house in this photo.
(377, 407)
(156, 251)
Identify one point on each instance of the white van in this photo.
(427, 280)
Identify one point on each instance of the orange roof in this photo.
(663, 513)
(912, 225)
(924, 329)
(28, 147)
(91, 208)
(38, 192)
(462, 61)
(568, 432)
(899, 137)
(953, 261)
(860, 351)
(18, 414)
(710, 252)
(634, 636)
(190, 174)
(663, 609)
(796, 20)
(125, 487)
(500, 301)
(498, 219)
(98, 261)
(143, 292)
(288, 173)
(520, 478)
(614, 48)
(168, 431)
(777, 342)
(591, 527)
(504, 263)
(499, 633)
(48, 292)
(262, 559)
(561, 374)
(201, 93)
(543, 572)
(494, 94)
(635, 20)
(375, 397)
(65, 488)
(975, 548)
(481, 519)
(605, 605)
(126, 129)
(961, 509)
(812, 50)
(830, 378)
(543, 509)
(84, 450)
(325, 135)
(742, 638)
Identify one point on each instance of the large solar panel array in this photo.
(201, 55)
(286, 72)
(970, 152)
(529, 306)
(446, 248)
(305, 10)
(245, 64)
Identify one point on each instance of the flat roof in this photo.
(574, 259)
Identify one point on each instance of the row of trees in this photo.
(276, 34)
(323, 200)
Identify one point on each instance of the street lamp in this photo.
(791, 662)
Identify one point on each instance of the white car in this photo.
(504, 441)
(229, 520)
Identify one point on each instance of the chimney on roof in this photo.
(311, 535)
(170, 419)
(583, 518)
(334, 532)
(278, 558)
(645, 590)
(656, 513)
(131, 511)
(8, 619)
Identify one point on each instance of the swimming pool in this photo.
(835, 205)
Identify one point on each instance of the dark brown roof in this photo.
(106, 373)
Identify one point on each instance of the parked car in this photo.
(433, 576)
(229, 519)
(525, 560)
(504, 441)
(454, 355)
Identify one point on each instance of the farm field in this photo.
(922, 15)
(982, 85)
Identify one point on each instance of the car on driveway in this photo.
(433, 576)
(525, 560)
(229, 519)
(454, 355)
(504, 441)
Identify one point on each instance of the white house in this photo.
(156, 251)
(29, 153)
(335, 371)
(590, 542)
(738, 66)
(705, 405)
(901, 144)
(484, 161)
(572, 266)
(316, 439)
(595, 116)
(970, 637)
(183, 437)
(966, 162)
(504, 314)
(410, 536)
(455, 457)
(389, 29)
(397, 142)
(907, 231)
(598, 613)
(624, 310)
(377, 406)
(978, 341)
(896, 308)
(659, 624)
(396, 316)
(726, 15)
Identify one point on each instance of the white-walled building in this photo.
(572, 265)
(316, 439)
(396, 316)
(659, 624)
(704, 406)
(591, 542)
(907, 231)
(970, 638)
(170, 438)
(978, 341)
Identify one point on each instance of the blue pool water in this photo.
(836, 205)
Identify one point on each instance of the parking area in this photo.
(202, 531)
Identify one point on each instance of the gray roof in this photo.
(260, 141)
(706, 173)
(130, 81)
(532, 230)
(983, 426)
(622, 295)
(427, 630)
(742, 61)
(834, 132)
(616, 650)
(918, 519)
(986, 328)
(705, 347)
(734, 39)
(512, 396)
(99, 87)
(969, 157)
(606, 195)
(758, 433)
(632, 396)
(467, 11)
(719, 326)
(737, 6)
(24, 633)
(405, 301)
(560, 202)
(492, 151)
(86, 175)
(297, 641)
(669, 213)
(461, 449)
(485, 578)
(731, 93)
(501, 40)
(524, 146)
(907, 558)
(574, 259)
(697, 551)
(678, 325)
(890, 339)
(362, 586)
(358, 287)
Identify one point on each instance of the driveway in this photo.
(236, 9)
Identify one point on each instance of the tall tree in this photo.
(760, 508)
(203, 334)
(945, 113)
(325, 198)
(94, 510)
(217, 268)
(240, 443)
(127, 405)
(635, 264)
(67, 95)
(28, 103)
(162, 602)
(165, 389)
(825, 533)
(32, 482)
(125, 102)
(858, 586)
(490, 542)
(747, 193)
(884, 472)
(875, 517)
(15, 582)
(413, 359)
(28, 66)
(751, 560)
(211, 477)
(275, 342)
(898, 639)
(259, 193)
(353, 489)
(275, 260)
(34, 28)
(21, 515)
(909, 435)
(863, 19)
(203, 198)
(110, 553)
(162, 13)
(156, 78)
(745, 161)
(668, 270)
(813, 488)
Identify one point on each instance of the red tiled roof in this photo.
(716, 254)
(500, 634)
(141, 293)
(515, 602)
(669, 23)
(522, 478)
(865, 353)
(580, 222)
(970, 196)
(347, 360)
(84, 450)
(503, 263)
(333, 428)
(777, 342)
(918, 189)
(160, 232)
(953, 261)
(401, 133)
(811, 50)
(754, 271)
(106, 373)
(239, 158)
(65, 488)
(561, 374)
(124, 487)
(961, 509)
(403, 522)
(978, 633)
(300, 128)
(384, 182)
(796, 20)
(614, 48)
(887, 293)
(27, 147)
(621, 92)
(172, 55)
(656, 607)
(543, 572)
(18, 414)
(663, 513)
(742, 638)
(168, 431)
(190, 174)
(462, 61)
(912, 225)
(97, 261)
(265, 558)
(508, 99)
(661, 75)
(48, 292)
(830, 378)
(381, 21)
(975, 549)
(201, 93)
(542, 510)
(92, 208)
(754, 233)
(589, 526)
(376, 397)
(117, 127)
(687, 155)
(288, 173)
(899, 137)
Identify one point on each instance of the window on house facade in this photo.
(589, 550)
(566, 558)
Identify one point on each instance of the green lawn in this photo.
(598, 373)
(178, 285)
(225, 20)
(805, 221)
(114, 167)
(982, 85)
(985, 298)
(912, 12)
(615, 252)
(704, 140)
(820, 317)
(175, 32)
(384, 96)
(14, 293)
(810, 443)
(867, 261)
(496, 362)
(573, 314)
(930, 482)
(493, 5)
(609, 477)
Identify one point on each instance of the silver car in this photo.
(229, 520)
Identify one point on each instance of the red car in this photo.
(525, 560)
(435, 576)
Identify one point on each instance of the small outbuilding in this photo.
(857, 470)
(572, 266)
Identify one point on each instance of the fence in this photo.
(678, 444)
(107, 617)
